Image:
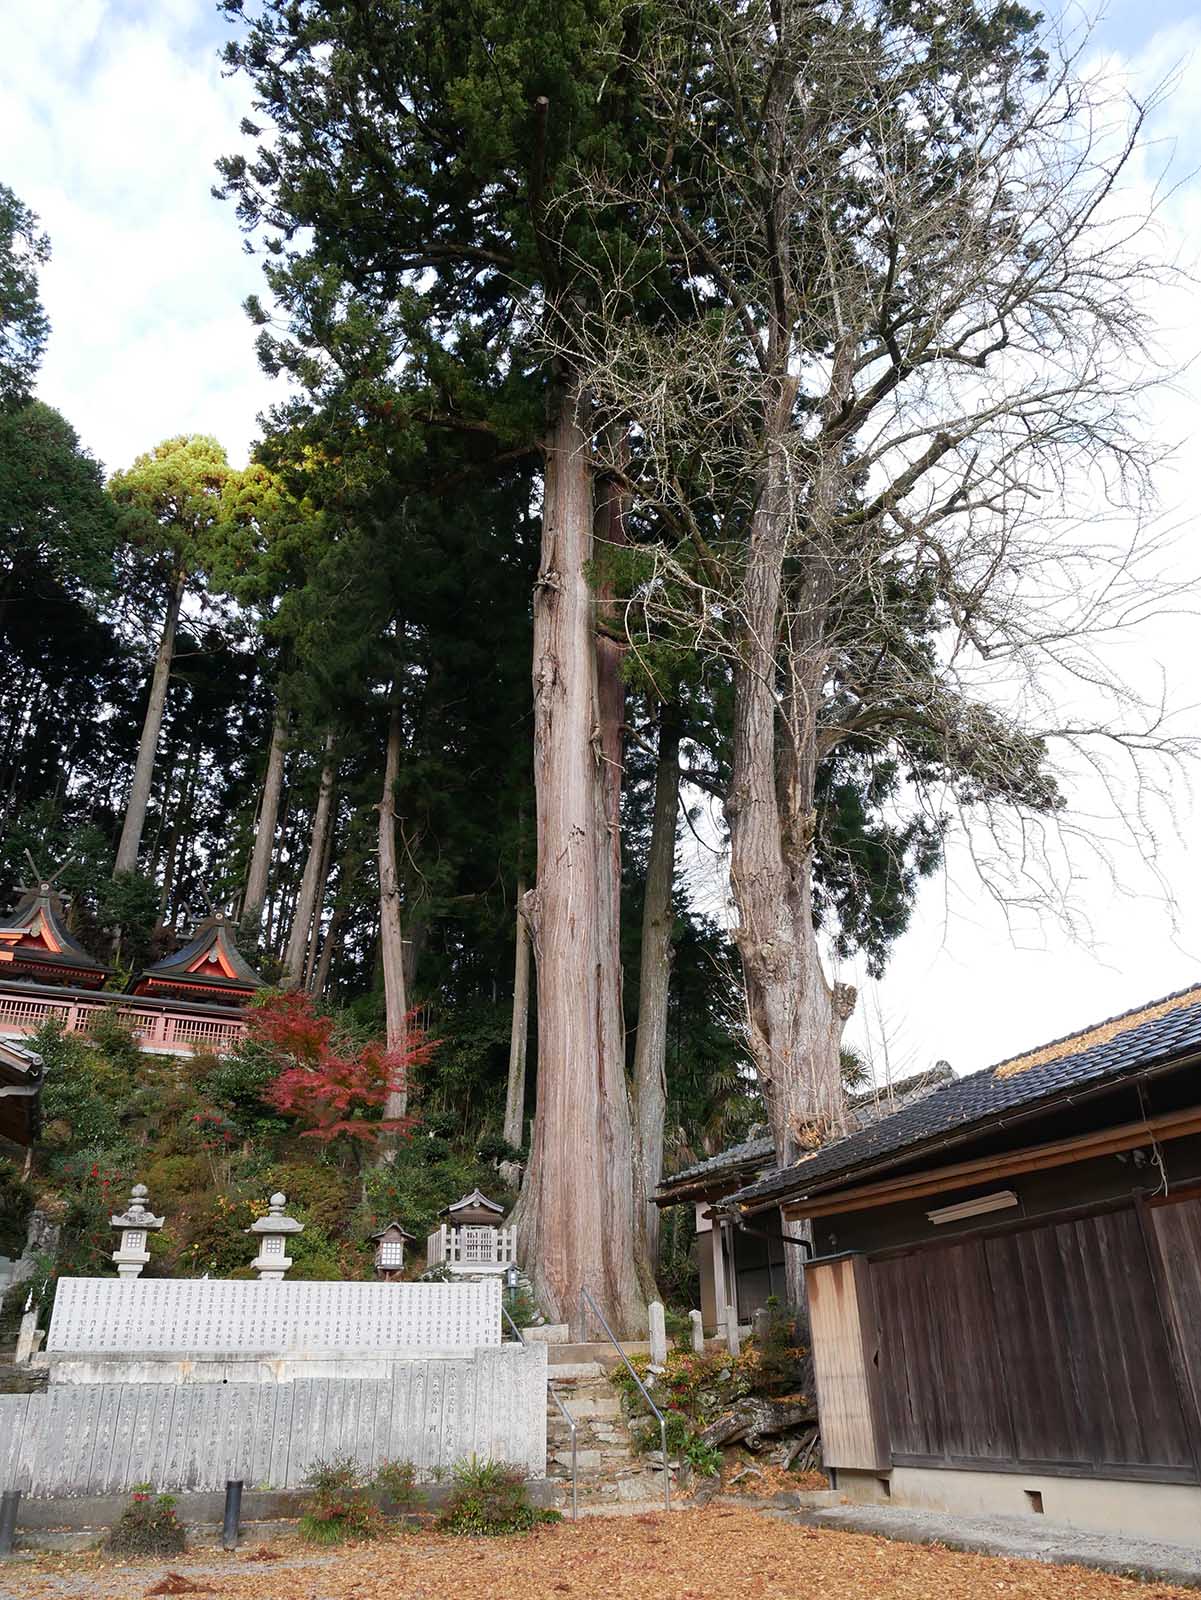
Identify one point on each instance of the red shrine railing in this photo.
(161, 1030)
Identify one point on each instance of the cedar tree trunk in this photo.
(306, 897)
(576, 1213)
(519, 1033)
(264, 835)
(143, 772)
(310, 966)
(391, 942)
(650, 1044)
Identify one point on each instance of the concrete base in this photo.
(1021, 1539)
(243, 1366)
(83, 1523)
(547, 1333)
(1170, 1511)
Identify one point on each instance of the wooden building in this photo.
(36, 946)
(209, 968)
(1005, 1298)
(20, 1096)
(744, 1266)
(189, 1001)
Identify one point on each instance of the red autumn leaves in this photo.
(333, 1087)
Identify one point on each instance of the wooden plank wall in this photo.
(1045, 1347)
(1177, 1229)
(843, 1327)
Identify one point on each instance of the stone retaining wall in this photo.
(103, 1438)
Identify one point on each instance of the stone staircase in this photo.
(20, 1380)
(611, 1471)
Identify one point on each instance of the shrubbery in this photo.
(16, 1202)
(340, 1505)
(489, 1497)
(344, 1502)
(148, 1526)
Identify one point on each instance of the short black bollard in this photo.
(9, 1501)
(233, 1514)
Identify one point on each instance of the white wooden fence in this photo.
(477, 1249)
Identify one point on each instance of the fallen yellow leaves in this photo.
(720, 1553)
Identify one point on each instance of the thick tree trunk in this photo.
(519, 1032)
(302, 913)
(143, 772)
(329, 949)
(264, 834)
(391, 938)
(650, 1044)
(795, 1018)
(576, 1214)
(319, 904)
(180, 815)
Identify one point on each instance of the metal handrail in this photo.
(586, 1296)
(563, 1412)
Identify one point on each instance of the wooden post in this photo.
(719, 1275)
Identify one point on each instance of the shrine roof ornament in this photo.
(36, 944)
(475, 1201)
(210, 966)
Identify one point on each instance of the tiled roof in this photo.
(751, 1150)
(979, 1099)
(47, 903)
(862, 1109)
(212, 931)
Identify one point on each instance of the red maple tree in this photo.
(336, 1089)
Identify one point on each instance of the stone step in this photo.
(590, 1405)
(561, 1371)
(601, 1351)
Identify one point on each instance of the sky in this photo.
(113, 112)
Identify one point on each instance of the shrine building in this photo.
(188, 1001)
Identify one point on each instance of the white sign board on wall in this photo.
(111, 1315)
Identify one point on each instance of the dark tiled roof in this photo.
(46, 901)
(212, 931)
(862, 1109)
(979, 1099)
(750, 1151)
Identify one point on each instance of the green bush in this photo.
(490, 1497)
(704, 1458)
(235, 1084)
(340, 1505)
(16, 1202)
(397, 1482)
(781, 1359)
(148, 1527)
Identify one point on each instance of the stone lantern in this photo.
(131, 1254)
(273, 1230)
(390, 1244)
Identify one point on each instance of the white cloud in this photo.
(114, 116)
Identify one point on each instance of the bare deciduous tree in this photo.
(906, 347)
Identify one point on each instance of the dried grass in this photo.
(1101, 1033)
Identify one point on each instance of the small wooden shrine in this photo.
(470, 1239)
(210, 968)
(35, 946)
